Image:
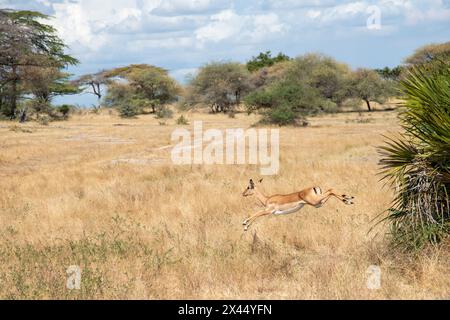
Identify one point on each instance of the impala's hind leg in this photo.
(321, 199)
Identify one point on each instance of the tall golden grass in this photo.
(100, 192)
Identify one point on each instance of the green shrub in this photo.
(64, 109)
(128, 110)
(262, 98)
(182, 121)
(282, 115)
(164, 113)
(285, 101)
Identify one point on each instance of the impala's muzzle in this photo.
(249, 191)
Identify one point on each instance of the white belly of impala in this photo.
(289, 210)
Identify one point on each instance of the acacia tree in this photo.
(429, 53)
(26, 42)
(142, 86)
(44, 83)
(304, 86)
(367, 85)
(219, 86)
(153, 84)
(94, 82)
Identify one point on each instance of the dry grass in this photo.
(100, 192)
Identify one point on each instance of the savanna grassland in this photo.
(100, 192)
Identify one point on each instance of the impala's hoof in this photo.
(244, 223)
(349, 202)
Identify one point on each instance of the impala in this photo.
(289, 203)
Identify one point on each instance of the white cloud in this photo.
(326, 11)
(90, 26)
(229, 25)
(73, 25)
(313, 14)
(222, 26)
(183, 74)
(187, 7)
(183, 34)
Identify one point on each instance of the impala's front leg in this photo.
(250, 220)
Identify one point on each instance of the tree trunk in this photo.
(368, 105)
(23, 116)
(97, 91)
(238, 97)
(14, 94)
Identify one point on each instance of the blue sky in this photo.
(181, 35)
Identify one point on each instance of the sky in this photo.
(181, 35)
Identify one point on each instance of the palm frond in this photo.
(418, 162)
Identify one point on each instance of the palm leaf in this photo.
(418, 161)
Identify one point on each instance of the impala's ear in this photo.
(261, 180)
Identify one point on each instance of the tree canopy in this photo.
(219, 85)
(265, 59)
(429, 53)
(94, 82)
(30, 51)
(368, 85)
(142, 86)
(308, 85)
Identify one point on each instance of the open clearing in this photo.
(101, 193)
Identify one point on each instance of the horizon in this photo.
(181, 36)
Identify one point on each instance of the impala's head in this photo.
(250, 190)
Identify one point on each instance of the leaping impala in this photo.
(289, 203)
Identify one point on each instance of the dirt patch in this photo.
(99, 139)
(137, 161)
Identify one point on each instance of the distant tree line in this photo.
(282, 89)
(285, 90)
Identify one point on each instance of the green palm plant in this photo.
(418, 162)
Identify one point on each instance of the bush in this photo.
(285, 101)
(262, 98)
(282, 115)
(44, 120)
(182, 120)
(64, 110)
(352, 104)
(128, 110)
(38, 106)
(164, 113)
(328, 106)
